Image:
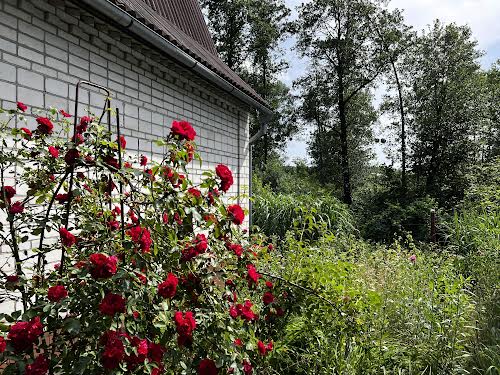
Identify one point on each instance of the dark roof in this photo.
(182, 23)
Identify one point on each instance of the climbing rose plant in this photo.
(153, 274)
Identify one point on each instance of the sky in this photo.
(483, 16)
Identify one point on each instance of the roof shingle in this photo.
(182, 23)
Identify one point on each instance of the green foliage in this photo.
(276, 213)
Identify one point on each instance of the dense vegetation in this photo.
(406, 307)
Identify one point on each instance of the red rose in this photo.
(142, 237)
(262, 348)
(236, 249)
(183, 130)
(45, 126)
(114, 350)
(207, 367)
(39, 367)
(238, 342)
(143, 160)
(16, 208)
(22, 335)
(54, 152)
(112, 304)
(71, 156)
(67, 238)
(245, 311)
(194, 192)
(155, 352)
(12, 278)
(78, 139)
(22, 107)
(123, 142)
(61, 198)
(225, 175)
(111, 161)
(26, 133)
(102, 266)
(185, 325)
(64, 113)
(57, 293)
(247, 367)
(168, 287)
(3, 344)
(84, 123)
(252, 275)
(8, 192)
(198, 246)
(190, 152)
(236, 214)
(268, 298)
(269, 284)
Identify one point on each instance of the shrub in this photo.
(148, 279)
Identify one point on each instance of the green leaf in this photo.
(73, 326)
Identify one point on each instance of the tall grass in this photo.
(276, 213)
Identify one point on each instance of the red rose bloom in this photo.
(112, 304)
(8, 192)
(84, 124)
(114, 350)
(194, 192)
(252, 275)
(247, 367)
(236, 249)
(245, 311)
(238, 342)
(54, 152)
(111, 161)
(102, 266)
(39, 367)
(67, 238)
(185, 325)
(269, 284)
(78, 139)
(268, 298)
(64, 113)
(12, 278)
(61, 198)
(16, 208)
(143, 160)
(57, 293)
(71, 156)
(183, 130)
(198, 246)
(45, 126)
(236, 214)
(168, 287)
(22, 335)
(26, 133)
(3, 344)
(225, 175)
(142, 237)
(262, 348)
(22, 107)
(123, 142)
(207, 367)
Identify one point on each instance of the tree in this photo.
(247, 34)
(444, 110)
(342, 36)
(489, 130)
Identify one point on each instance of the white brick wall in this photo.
(44, 52)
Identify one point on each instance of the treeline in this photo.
(444, 108)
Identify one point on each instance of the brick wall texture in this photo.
(46, 47)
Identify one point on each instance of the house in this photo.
(156, 57)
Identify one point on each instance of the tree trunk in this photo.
(344, 150)
(403, 130)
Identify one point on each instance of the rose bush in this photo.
(154, 276)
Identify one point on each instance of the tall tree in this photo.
(443, 109)
(489, 130)
(397, 39)
(247, 35)
(342, 36)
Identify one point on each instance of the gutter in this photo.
(126, 21)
